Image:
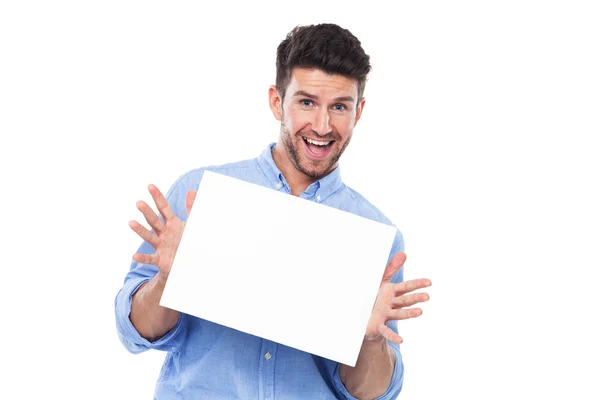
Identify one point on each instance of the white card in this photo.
(280, 267)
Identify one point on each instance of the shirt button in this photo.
(318, 198)
(268, 356)
(279, 185)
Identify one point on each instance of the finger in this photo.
(409, 286)
(150, 216)
(404, 313)
(146, 258)
(394, 265)
(389, 334)
(144, 233)
(189, 200)
(407, 300)
(161, 203)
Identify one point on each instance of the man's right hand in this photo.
(151, 320)
(166, 236)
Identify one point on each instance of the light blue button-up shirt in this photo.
(210, 361)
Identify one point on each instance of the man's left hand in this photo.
(393, 300)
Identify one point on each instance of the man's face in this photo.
(318, 115)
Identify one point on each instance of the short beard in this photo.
(288, 143)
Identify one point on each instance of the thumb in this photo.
(189, 200)
(395, 263)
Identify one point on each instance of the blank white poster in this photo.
(283, 268)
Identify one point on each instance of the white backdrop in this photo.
(476, 140)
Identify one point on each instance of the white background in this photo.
(477, 140)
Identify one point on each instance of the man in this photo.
(318, 97)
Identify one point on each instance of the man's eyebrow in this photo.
(305, 94)
(345, 98)
(312, 96)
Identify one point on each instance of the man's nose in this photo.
(322, 123)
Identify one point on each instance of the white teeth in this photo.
(317, 143)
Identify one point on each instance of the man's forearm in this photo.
(371, 376)
(151, 320)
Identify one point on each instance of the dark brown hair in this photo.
(328, 47)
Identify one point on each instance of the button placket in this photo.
(270, 354)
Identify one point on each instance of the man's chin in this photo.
(313, 168)
(315, 172)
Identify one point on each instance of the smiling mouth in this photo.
(318, 143)
(317, 149)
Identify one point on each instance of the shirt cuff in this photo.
(128, 334)
(395, 383)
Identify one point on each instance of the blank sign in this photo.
(279, 267)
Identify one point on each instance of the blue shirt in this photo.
(210, 361)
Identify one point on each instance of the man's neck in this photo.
(297, 180)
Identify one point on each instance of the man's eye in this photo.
(306, 103)
(339, 107)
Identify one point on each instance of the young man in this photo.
(318, 97)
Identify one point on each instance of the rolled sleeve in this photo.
(392, 391)
(129, 336)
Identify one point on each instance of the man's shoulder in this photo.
(238, 169)
(360, 205)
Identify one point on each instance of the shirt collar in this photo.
(321, 188)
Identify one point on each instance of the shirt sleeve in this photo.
(395, 387)
(140, 273)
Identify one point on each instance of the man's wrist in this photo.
(378, 342)
(160, 279)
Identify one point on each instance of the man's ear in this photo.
(275, 102)
(359, 110)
